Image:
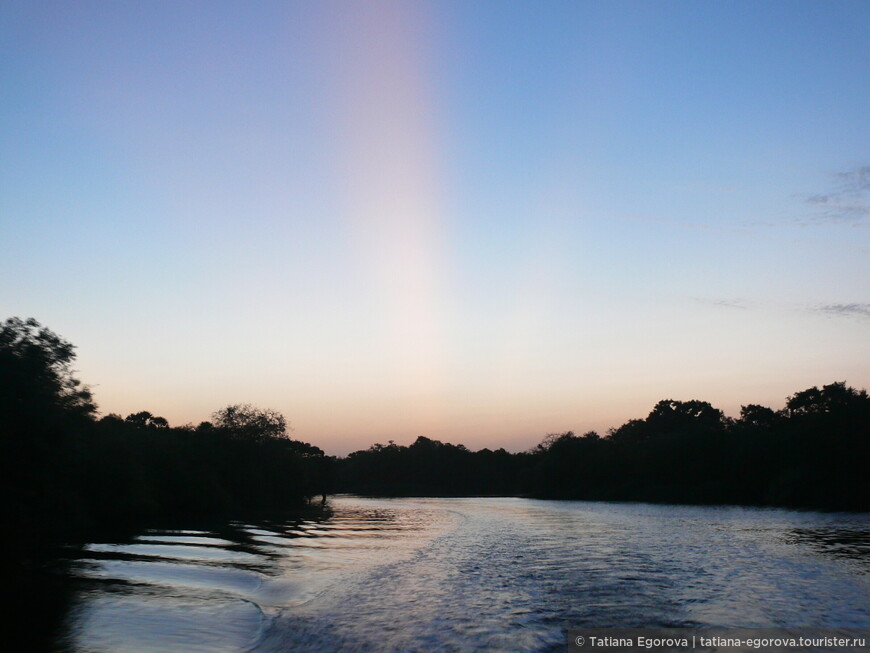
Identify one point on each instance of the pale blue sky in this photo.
(481, 222)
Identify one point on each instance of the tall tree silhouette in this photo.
(36, 374)
(43, 409)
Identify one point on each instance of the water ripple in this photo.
(465, 574)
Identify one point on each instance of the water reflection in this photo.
(849, 542)
(459, 574)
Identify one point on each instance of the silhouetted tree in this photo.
(670, 415)
(36, 374)
(835, 398)
(44, 411)
(144, 419)
(246, 422)
(758, 416)
(64, 474)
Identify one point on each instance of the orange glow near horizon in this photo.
(477, 222)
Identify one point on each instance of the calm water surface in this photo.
(465, 574)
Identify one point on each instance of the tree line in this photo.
(814, 453)
(67, 473)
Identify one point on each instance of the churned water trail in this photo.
(469, 574)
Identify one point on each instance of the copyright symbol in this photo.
(580, 640)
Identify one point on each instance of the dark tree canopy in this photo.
(64, 473)
(36, 371)
(247, 422)
(758, 416)
(144, 419)
(831, 398)
(669, 413)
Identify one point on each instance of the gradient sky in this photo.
(476, 221)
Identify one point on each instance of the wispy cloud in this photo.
(845, 310)
(853, 310)
(725, 303)
(847, 201)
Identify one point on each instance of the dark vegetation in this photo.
(432, 468)
(67, 475)
(814, 453)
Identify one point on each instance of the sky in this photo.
(479, 222)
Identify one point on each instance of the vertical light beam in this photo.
(387, 164)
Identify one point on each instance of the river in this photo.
(466, 574)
